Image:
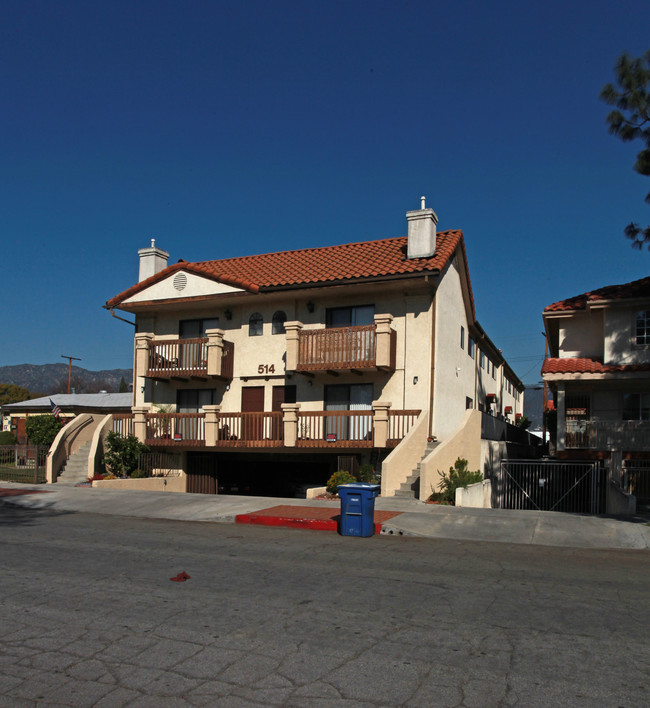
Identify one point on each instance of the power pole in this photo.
(70, 358)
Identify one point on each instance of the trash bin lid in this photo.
(360, 485)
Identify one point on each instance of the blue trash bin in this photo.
(358, 509)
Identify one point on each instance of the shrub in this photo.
(138, 474)
(42, 429)
(121, 454)
(459, 476)
(340, 477)
(7, 438)
(366, 473)
(523, 423)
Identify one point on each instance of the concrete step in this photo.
(75, 469)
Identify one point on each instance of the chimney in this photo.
(152, 261)
(422, 231)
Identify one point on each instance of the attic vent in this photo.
(180, 281)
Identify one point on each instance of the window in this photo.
(349, 397)
(462, 337)
(350, 316)
(277, 323)
(193, 329)
(482, 360)
(191, 400)
(643, 327)
(255, 325)
(471, 346)
(636, 406)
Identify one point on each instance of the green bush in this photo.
(340, 477)
(7, 438)
(42, 429)
(366, 474)
(121, 454)
(459, 476)
(138, 474)
(523, 423)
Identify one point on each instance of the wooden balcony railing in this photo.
(186, 358)
(123, 424)
(337, 348)
(351, 429)
(336, 428)
(629, 435)
(167, 428)
(399, 424)
(250, 429)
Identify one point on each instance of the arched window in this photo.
(277, 325)
(255, 324)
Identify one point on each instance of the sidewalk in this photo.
(394, 516)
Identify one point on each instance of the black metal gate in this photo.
(201, 473)
(573, 487)
(23, 463)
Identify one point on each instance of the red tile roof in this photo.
(310, 266)
(626, 291)
(588, 366)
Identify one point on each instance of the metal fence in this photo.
(636, 480)
(23, 463)
(573, 487)
(161, 464)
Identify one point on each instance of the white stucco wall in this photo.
(454, 368)
(195, 286)
(620, 347)
(581, 336)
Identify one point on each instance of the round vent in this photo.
(180, 281)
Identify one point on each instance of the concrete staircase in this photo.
(75, 469)
(410, 488)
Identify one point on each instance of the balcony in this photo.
(627, 435)
(312, 429)
(185, 359)
(363, 348)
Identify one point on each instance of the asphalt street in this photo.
(280, 617)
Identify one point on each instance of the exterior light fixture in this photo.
(227, 314)
(310, 306)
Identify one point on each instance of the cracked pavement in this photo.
(279, 617)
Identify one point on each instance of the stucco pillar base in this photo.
(290, 422)
(292, 330)
(380, 423)
(211, 425)
(140, 422)
(215, 351)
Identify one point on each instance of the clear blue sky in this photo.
(232, 128)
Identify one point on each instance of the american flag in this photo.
(56, 411)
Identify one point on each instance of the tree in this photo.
(630, 120)
(42, 429)
(123, 387)
(10, 393)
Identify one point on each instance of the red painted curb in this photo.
(314, 524)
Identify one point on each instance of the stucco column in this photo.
(140, 422)
(380, 423)
(292, 330)
(142, 341)
(383, 348)
(290, 422)
(211, 424)
(561, 417)
(215, 351)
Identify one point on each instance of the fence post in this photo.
(215, 351)
(140, 422)
(292, 330)
(380, 423)
(383, 345)
(290, 422)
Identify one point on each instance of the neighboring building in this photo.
(272, 371)
(14, 415)
(599, 372)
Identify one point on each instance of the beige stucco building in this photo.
(267, 373)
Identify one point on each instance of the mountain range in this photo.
(47, 379)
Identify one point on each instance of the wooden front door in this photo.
(252, 401)
(281, 394)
